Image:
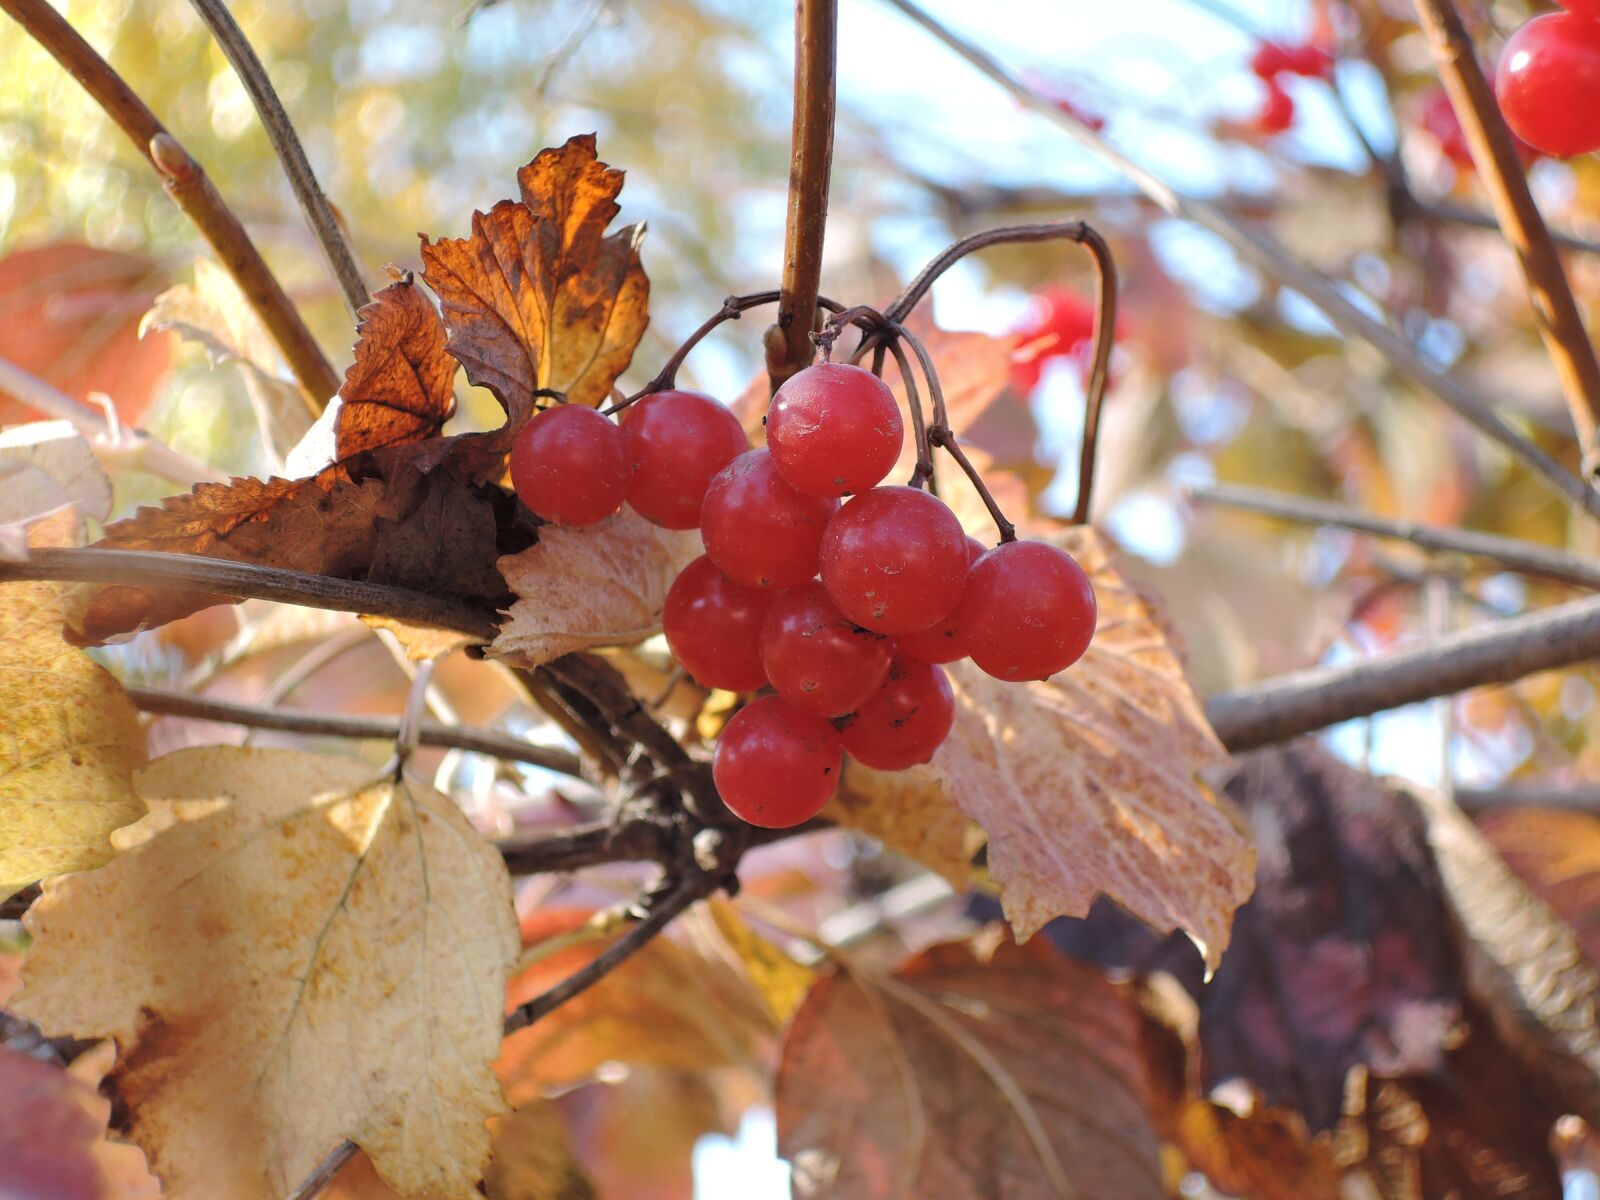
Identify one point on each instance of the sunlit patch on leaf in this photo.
(400, 386)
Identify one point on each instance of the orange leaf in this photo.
(538, 296)
(400, 387)
(1087, 782)
(1016, 1075)
(1557, 853)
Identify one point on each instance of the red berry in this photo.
(1276, 113)
(1028, 611)
(815, 659)
(1310, 60)
(894, 560)
(570, 465)
(678, 441)
(834, 429)
(714, 627)
(1438, 118)
(758, 529)
(776, 767)
(944, 643)
(1549, 83)
(1589, 9)
(906, 721)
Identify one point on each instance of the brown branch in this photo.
(188, 184)
(289, 720)
(245, 581)
(1560, 324)
(1578, 797)
(1286, 707)
(788, 342)
(666, 905)
(319, 213)
(1266, 254)
(1527, 558)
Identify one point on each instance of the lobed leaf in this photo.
(401, 386)
(298, 953)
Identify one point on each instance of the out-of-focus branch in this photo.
(319, 213)
(1495, 154)
(1266, 254)
(188, 184)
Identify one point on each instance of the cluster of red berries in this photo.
(844, 607)
(1548, 84)
(1270, 63)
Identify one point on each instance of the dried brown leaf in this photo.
(400, 388)
(538, 296)
(1087, 782)
(907, 811)
(1017, 1075)
(1557, 853)
(600, 586)
(46, 466)
(287, 952)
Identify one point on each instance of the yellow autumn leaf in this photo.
(71, 743)
(907, 812)
(1087, 782)
(288, 953)
(781, 981)
(600, 586)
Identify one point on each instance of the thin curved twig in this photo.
(191, 188)
(289, 720)
(1256, 247)
(319, 213)
(244, 581)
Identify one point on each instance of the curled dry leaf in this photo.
(600, 586)
(287, 971)
(966, 1076)
(1087, 782)
(46, 466)
(539, 296)
(72, 741)
(400, 388)
(665, 1006)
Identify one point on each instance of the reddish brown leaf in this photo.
(964, 1076)
(69, 314)
(400, 387)
(1088, 782)
(538, 296)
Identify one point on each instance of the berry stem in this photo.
(940, 434)
(1495, 154)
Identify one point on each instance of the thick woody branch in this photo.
(1259, 249)
(188, 184)
(1495, 154)
(246, 581)
(319, 213)
(1284, 708)
(1528, 558)
(816, 31)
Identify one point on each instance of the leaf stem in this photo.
(1529, 558)
(319, 213)
(816, 28)
(1266, 254)
(189, 185)
(1495, 153)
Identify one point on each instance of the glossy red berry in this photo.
(906, 721)
(677, 442)
(817, 660)
(1548, 83)
(944, 643)
(570, 465)
(834, 429)
(1437, 117)
(1589, 9)
(775, 766)
(714, 627)
(758, 529)
(1028, 611)
(894, 560)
